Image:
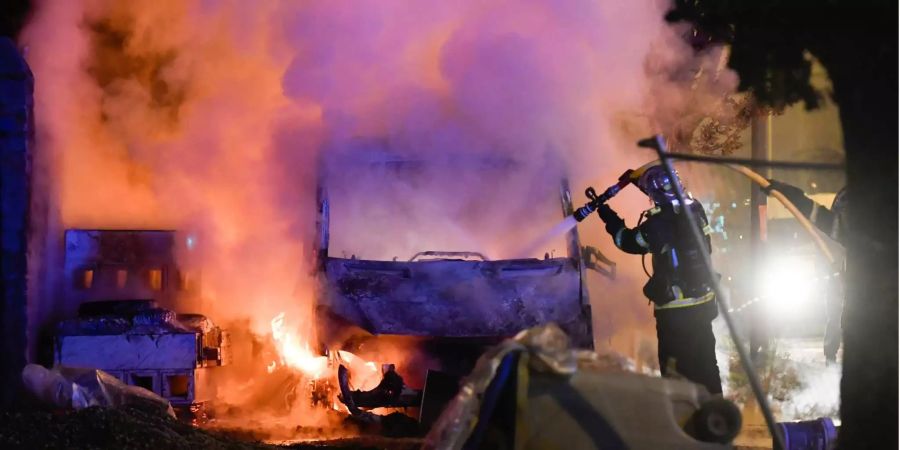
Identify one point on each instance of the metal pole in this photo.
(723, 301)
(761, 149)
(803, 165)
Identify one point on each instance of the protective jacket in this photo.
(679, 278)
(823, 218)
(830, 222)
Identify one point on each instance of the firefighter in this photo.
(830, 221)
(679, 288)
(833, 223)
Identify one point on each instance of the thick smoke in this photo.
(214, 117)
(171, 115)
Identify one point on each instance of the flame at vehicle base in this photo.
(317, 379)
(293, 352)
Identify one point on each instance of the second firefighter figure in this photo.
(679, 288)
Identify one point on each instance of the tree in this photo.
(773, 43)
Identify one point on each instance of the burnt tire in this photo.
(717, 420)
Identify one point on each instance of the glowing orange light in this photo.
(294, 353)
(364, 375)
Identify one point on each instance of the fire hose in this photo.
(659, 144)
(630, 176)
(804, 222)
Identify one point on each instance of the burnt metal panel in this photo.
(322, 228)
(121, 264)
(130, 351)
(456, 298)
(584, 337)
(446, 298)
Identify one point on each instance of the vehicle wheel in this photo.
(717, 420)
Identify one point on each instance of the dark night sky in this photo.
(13, 14)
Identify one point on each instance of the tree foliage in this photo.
(773, 42)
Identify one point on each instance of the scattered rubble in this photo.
(139, 427)
(76, 388)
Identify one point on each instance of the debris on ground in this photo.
(139, 427)
(77, 388)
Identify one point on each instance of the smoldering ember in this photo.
(472, 224)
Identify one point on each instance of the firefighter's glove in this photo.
(790, 191)
(612, 220)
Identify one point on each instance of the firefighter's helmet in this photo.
(656, 184)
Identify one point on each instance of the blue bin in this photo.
(819, 434)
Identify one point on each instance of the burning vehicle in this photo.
(466, 282)
(426, 301)
(125, 285)
(406, 251)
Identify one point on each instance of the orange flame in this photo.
(295, 353)
(364, 375)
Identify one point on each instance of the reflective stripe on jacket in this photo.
(682, 302)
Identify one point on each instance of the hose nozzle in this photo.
(585, 211)
(597, 200)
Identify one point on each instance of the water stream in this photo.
(536, 245)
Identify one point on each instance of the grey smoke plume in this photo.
(214, 116)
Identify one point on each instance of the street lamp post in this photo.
(761, 149)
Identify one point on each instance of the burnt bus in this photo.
(430, 249)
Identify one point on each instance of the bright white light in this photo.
(787, 284)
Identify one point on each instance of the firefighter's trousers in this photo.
(687, 343)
